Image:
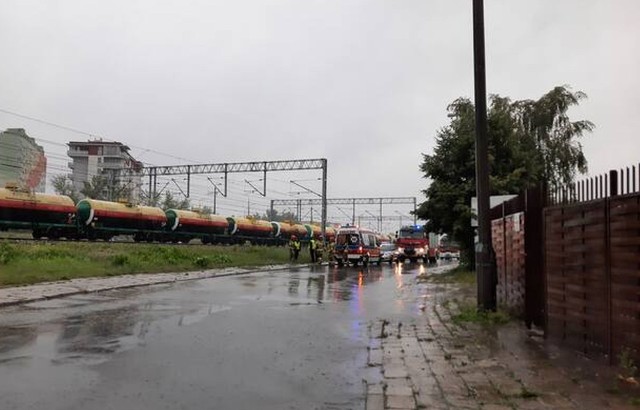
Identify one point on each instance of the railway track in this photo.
(128, 242)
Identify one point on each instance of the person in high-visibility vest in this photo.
(294, 248)
(312, 249)
(320, 249)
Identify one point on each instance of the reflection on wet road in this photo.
(273, 340)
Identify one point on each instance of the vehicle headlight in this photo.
(400, 250)
(420, 250)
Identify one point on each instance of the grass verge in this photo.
(469, 313)
(460, 275)
(28, 263)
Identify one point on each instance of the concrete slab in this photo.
(395, 371)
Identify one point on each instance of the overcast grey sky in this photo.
(364, 83)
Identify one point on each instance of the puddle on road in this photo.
(90, 334)
(93, 334)
(12, 337)
(70, 301)
(195, 317)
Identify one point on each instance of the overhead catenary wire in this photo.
(89, 134)
(57, 164)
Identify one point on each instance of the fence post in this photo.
(504, 257)
(608, 276)
(613, 182)
(534, 241)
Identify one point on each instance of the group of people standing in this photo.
(316, 249)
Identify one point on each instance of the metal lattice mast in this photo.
(232, 167)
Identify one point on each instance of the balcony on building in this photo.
(111, 165)
(77, 153)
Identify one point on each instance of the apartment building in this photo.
(22, 161)
(105, 158)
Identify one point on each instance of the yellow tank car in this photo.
(184, 225)
(330, 233)
(300, 231)
(50, 216)
(249, 229)
(282, 229)
(313, 230)
(104, 219)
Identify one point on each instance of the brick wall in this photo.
(507, 236)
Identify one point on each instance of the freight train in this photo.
(56, 216)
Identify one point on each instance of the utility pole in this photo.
(484, 268)
(323, 215)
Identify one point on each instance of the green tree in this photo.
(107, 188)
(170, 202)
(206, 210)
(276, 216)
(546, 122)
(150, 199)
(529, 142)
(63, 185)
(96, 188)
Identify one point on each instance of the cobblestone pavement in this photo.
(432, 363)
(23, 294)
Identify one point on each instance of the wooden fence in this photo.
(592, 267)
(573, 267)
(516, 238)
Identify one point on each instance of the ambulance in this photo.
(355, 245)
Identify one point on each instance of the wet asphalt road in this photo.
(274, 340)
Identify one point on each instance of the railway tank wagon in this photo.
(104, 220)
(282, 231)
(300, 231)
(316, 231)
(256, 231)
(312, 231)
(182, 226)
(51, 216)
(330, 234)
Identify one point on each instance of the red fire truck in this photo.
(412, 243)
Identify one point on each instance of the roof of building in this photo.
(98, 142)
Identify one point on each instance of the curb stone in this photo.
(16, 295)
